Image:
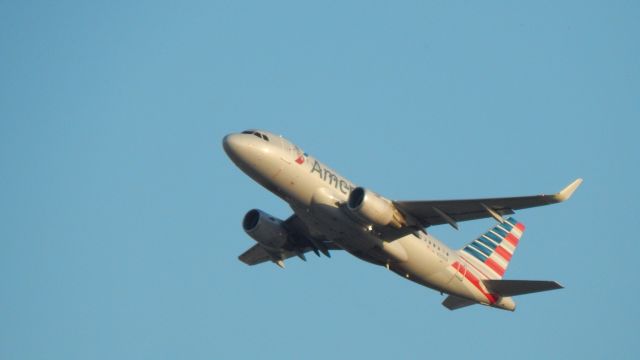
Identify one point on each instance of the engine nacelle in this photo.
(265, 229)
(373, 209)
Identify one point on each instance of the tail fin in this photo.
(493, 250)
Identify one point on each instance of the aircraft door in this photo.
(290, 152)
(461, 274)
(287, 151)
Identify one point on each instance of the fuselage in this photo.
(317, 195)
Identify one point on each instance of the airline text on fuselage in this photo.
(331, 178)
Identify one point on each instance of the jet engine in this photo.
(373, 209)
(265, 229)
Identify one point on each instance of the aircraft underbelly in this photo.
(330, 220)
(410, 256)
(421, 265)
(429, 268)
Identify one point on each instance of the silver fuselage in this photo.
(317, 195)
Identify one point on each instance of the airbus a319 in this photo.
(331, 213)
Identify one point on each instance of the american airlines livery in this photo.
(331, 213)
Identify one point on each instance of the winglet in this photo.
(566, 193)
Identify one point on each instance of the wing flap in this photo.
(519, 287)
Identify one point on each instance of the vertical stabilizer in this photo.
(492, 251)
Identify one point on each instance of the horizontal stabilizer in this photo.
(453, 302)
(519, 287)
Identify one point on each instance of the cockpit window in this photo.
(261, 136)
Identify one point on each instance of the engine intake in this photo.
(265, 229)
(374, 209)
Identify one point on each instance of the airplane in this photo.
(331, 213)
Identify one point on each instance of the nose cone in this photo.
(254, 155)
(241, 149)
(232, 145)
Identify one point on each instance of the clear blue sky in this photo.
(120, 213)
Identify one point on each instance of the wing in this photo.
(299, 243)
(451, 211)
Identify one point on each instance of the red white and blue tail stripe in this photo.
(492, 251)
